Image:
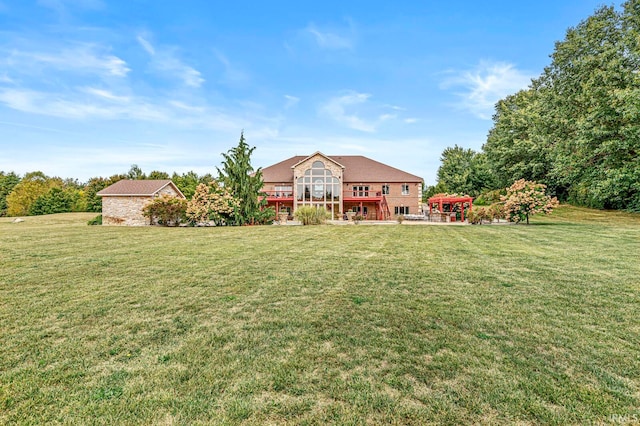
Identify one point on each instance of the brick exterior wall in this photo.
(394, 198)
(127, 211)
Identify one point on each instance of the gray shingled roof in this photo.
(139, 188)
(357, 168)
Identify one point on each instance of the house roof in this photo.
(137, 188)
(357, 168)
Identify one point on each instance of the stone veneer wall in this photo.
(299, 170)
(127, 211)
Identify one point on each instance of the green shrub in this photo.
(96, 220)
(309, 215)
(489, 197)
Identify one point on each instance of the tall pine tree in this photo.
(245, 184)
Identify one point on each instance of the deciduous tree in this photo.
(25, 193)
(525, 198)
(188, 182)
(463, 171)
(577, 128)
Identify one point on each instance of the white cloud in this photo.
(146, 45)
(183, 106)
(231, 73)
(191, 77)
(61, 4)
(291, 101)
(330, 39)
(4, 78)
(72, 106)
(486, 85)
(357, 111)
(336, 109)
(410, 120)
(102, 104)
(105, 94)
(82, 58)
(165, 60)
(396, 107)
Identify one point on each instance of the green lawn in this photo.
(326, 324)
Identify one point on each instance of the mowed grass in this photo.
(321, 325)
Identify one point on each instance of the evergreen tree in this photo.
(135, 172)
(8, 181)
(56, 200)
(245, 184)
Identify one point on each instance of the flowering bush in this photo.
(525, 198)
(211, 203)
(165, 210)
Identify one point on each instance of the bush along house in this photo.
(343, 184)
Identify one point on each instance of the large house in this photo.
(341, 184)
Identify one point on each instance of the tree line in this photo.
(36, 193)
(576, 128)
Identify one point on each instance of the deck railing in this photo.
(279, 194)
(366, 194)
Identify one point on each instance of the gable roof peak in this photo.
(320, 154)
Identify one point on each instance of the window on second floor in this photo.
(385, 189)
(361, 191)
(405, 189)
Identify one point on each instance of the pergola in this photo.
(442, 199)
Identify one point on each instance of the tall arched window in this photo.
(318, 187)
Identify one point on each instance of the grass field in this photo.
(326, 324)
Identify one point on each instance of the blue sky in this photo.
(89, 87)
